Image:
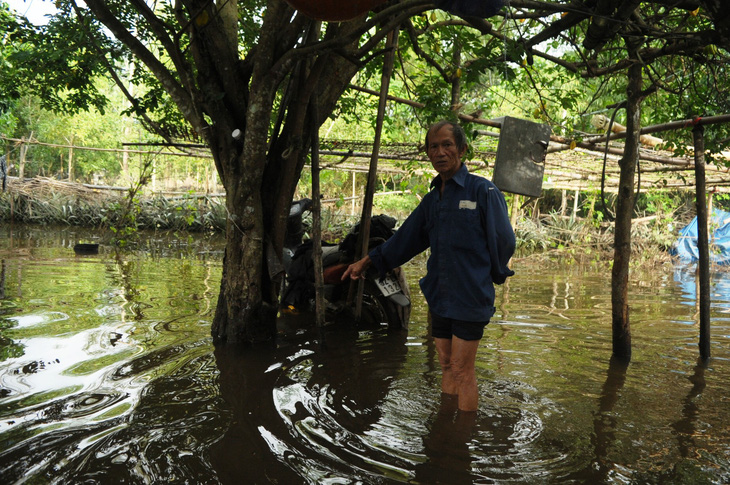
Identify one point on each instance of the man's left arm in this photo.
(499, 233)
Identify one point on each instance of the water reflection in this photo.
(88, 392)
(247, 377)
(318, 409)
(686, 427)
(606, 423)
(685, 275)
(446, 446)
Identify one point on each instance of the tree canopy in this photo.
(570, 54)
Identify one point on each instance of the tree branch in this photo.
(411, 31)
(178, 94)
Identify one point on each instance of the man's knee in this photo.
(461, 369)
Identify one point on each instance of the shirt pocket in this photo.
(467, 233)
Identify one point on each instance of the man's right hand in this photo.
(357, 269)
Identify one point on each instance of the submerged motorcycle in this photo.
(385, 300)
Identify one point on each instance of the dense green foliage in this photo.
(502, 75)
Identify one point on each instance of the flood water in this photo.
(108, 375)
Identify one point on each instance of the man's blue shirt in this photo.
(471, 241)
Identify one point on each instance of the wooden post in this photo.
(703, 266)
(317, 221)
(367, 204)
(2, 279)
(515, 209)
(70, 159)
(352, 209)
(125, 154)
(21, 159)
(710, 202)
(154, 173)
(23, 153)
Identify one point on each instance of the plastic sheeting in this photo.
(685, 248)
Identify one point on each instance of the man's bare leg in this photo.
(463, 372)
(457, 358)
(448, 383)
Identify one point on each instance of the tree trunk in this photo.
(260, 176)
(621, 329)
(242, 315)
(218, 92)
(319, 304)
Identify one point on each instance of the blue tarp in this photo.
(686, 245)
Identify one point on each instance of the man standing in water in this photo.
(464, 221)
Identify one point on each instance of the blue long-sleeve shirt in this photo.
(471, 241)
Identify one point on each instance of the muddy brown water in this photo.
(108, 375)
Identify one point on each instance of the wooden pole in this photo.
(352, 208)
(703, 266)
(71, 159)
(2, 279)
(317, 222)
(620, 324)
(515, 212)
(367, 204)
(23, 153)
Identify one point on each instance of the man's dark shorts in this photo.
(442, 327)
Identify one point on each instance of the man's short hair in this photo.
(456, 129)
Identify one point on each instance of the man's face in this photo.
(442, 151)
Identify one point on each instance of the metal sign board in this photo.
(520, 163)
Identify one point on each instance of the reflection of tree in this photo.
(503, 307)
(686, 427)
(130, 291)
(8, 348)
(191, 289)
(605, 424)
(299, 410)
(432, 376)
(242, 454)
